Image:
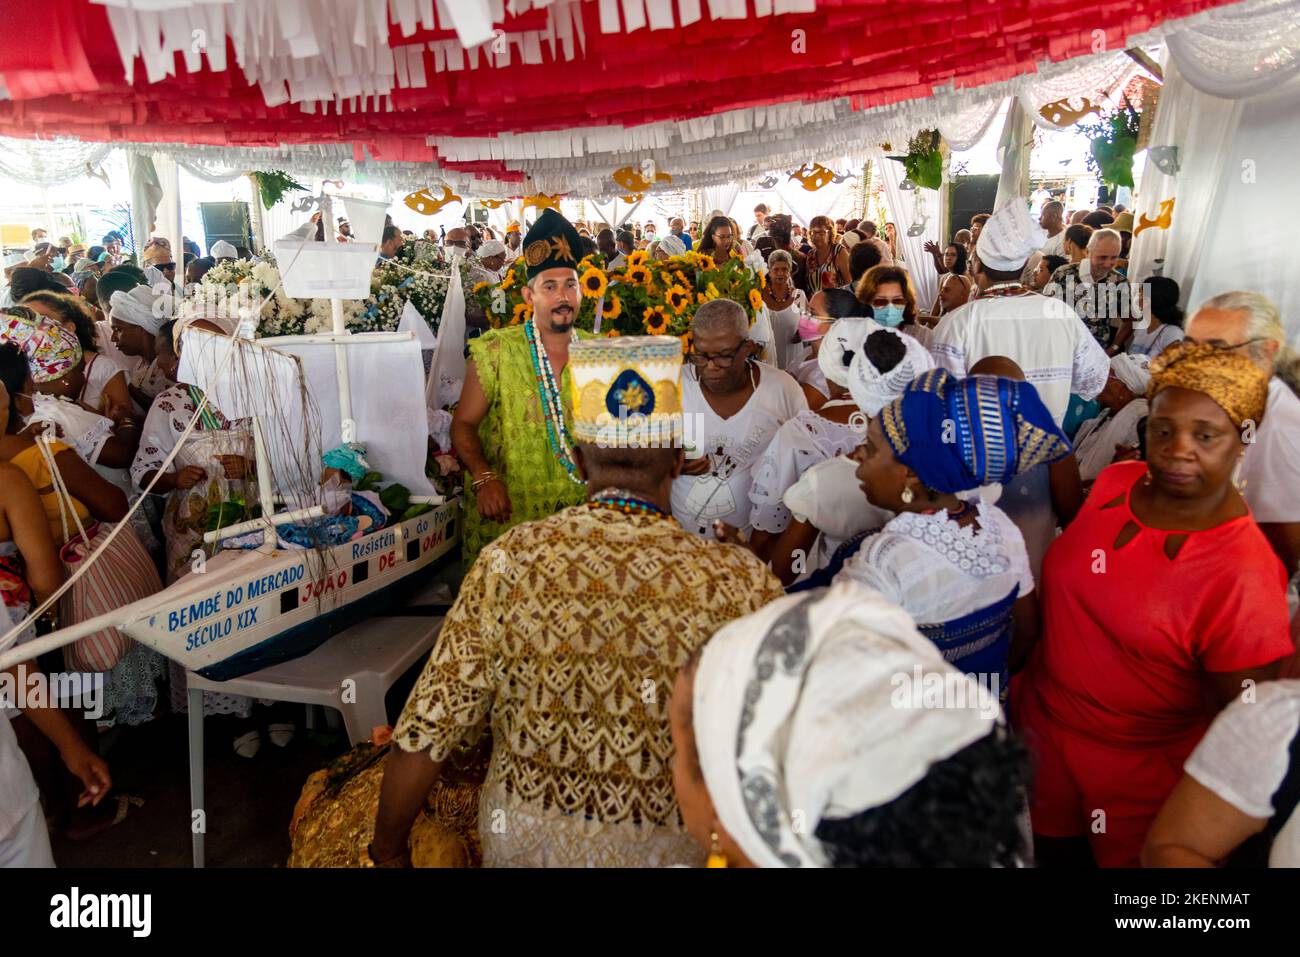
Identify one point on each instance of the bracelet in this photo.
(488, 476)
(400, 860)
(128, 423)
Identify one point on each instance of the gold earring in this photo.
(716, 857)
(908, 496)
(1237, 480)
(1146, 479)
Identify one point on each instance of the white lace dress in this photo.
(798, 445)
(937, 570)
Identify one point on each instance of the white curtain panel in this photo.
(1013, 151)
(804, 205)
(721, 197)
(1203, 128)
(908, 207)
(1240, 50)
(1247, 234)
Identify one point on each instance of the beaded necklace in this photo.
(557, 431)
(621, 500)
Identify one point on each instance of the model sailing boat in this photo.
(248, 608)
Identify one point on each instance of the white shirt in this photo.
(1055, 245)
(1271, 465)
(1043, 336)
(787, 352)
(102, 369)
(1245, 755)
(938, 571)
(809, 372)
(1148, 343)
(17, 788)
(733, 447)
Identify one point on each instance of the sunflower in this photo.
(678, 299)
(755, 300)
(509, 280)
(613, 307)
(701, 298)
(638, 275)
(712, 291)
(523, 312)
(681, 278)
(656, 320)
(762, 279)
(638, 258)
(688, 342)
(480, 286)
(612, 334)
(594, 283)
(706, 261)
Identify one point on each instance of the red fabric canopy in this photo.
(64, 74)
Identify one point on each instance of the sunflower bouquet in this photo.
(643, 297)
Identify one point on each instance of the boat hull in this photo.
(248, 610)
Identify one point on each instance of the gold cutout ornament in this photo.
(424, 202)
(1162, 220)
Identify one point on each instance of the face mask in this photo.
(809, 329)
(890, 315)
(57, 263)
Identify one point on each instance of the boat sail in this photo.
(245, 609)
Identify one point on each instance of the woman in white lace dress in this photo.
(793, 547)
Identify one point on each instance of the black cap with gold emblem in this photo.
(551, 243)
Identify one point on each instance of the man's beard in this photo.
(562, 318)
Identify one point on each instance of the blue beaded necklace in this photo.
(548, 390)
(621, 500)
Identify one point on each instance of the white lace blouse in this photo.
(798, 445)
(938, 571)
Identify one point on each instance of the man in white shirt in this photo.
(1043, 336)
(1052, 219)
(733, 407)
(1270, 470)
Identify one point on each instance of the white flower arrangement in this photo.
(418, 273)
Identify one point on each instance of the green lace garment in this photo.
(514, 439)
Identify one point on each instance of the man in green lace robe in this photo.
(511, 428)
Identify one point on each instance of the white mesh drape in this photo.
(721, 197)
(908, 208)
(49, 162)
(963, 130)
(1240, 50)
(1013, 152)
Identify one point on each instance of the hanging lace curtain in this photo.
(804, 205)
(1013, 152)
(908, 209)
(1240, 50)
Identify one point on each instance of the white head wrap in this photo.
(1010, 237)
(1133, 371)
(493, 247)
(141, 307)
(224, 250)
(672, 245)
(807, 710)
(153, 276)
(843, 341)
(872, 389)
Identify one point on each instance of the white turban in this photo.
(493, 247)
(152, 276)
(224, 250)
(841, 343)
(872, 389)
(1009, 237)
(812, 709)
(829, 497)
(1133, 371)
(141, 307)
(672, 245)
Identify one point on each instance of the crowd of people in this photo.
(1003, 581)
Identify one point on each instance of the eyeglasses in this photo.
(461, 243)
(880, 302)
(723, 360)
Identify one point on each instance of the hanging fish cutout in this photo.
(493, 203)
(1161, 221)
(1061, 114)
(841, 177)
(767, 182)
(812, 176)
(634, 198)
(542, 201)
(424, 203)
(634, 182)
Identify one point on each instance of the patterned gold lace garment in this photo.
(571, 630)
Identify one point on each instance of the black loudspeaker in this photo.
(228, 221)
(971, 195)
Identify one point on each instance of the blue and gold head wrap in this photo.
(958, 434)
